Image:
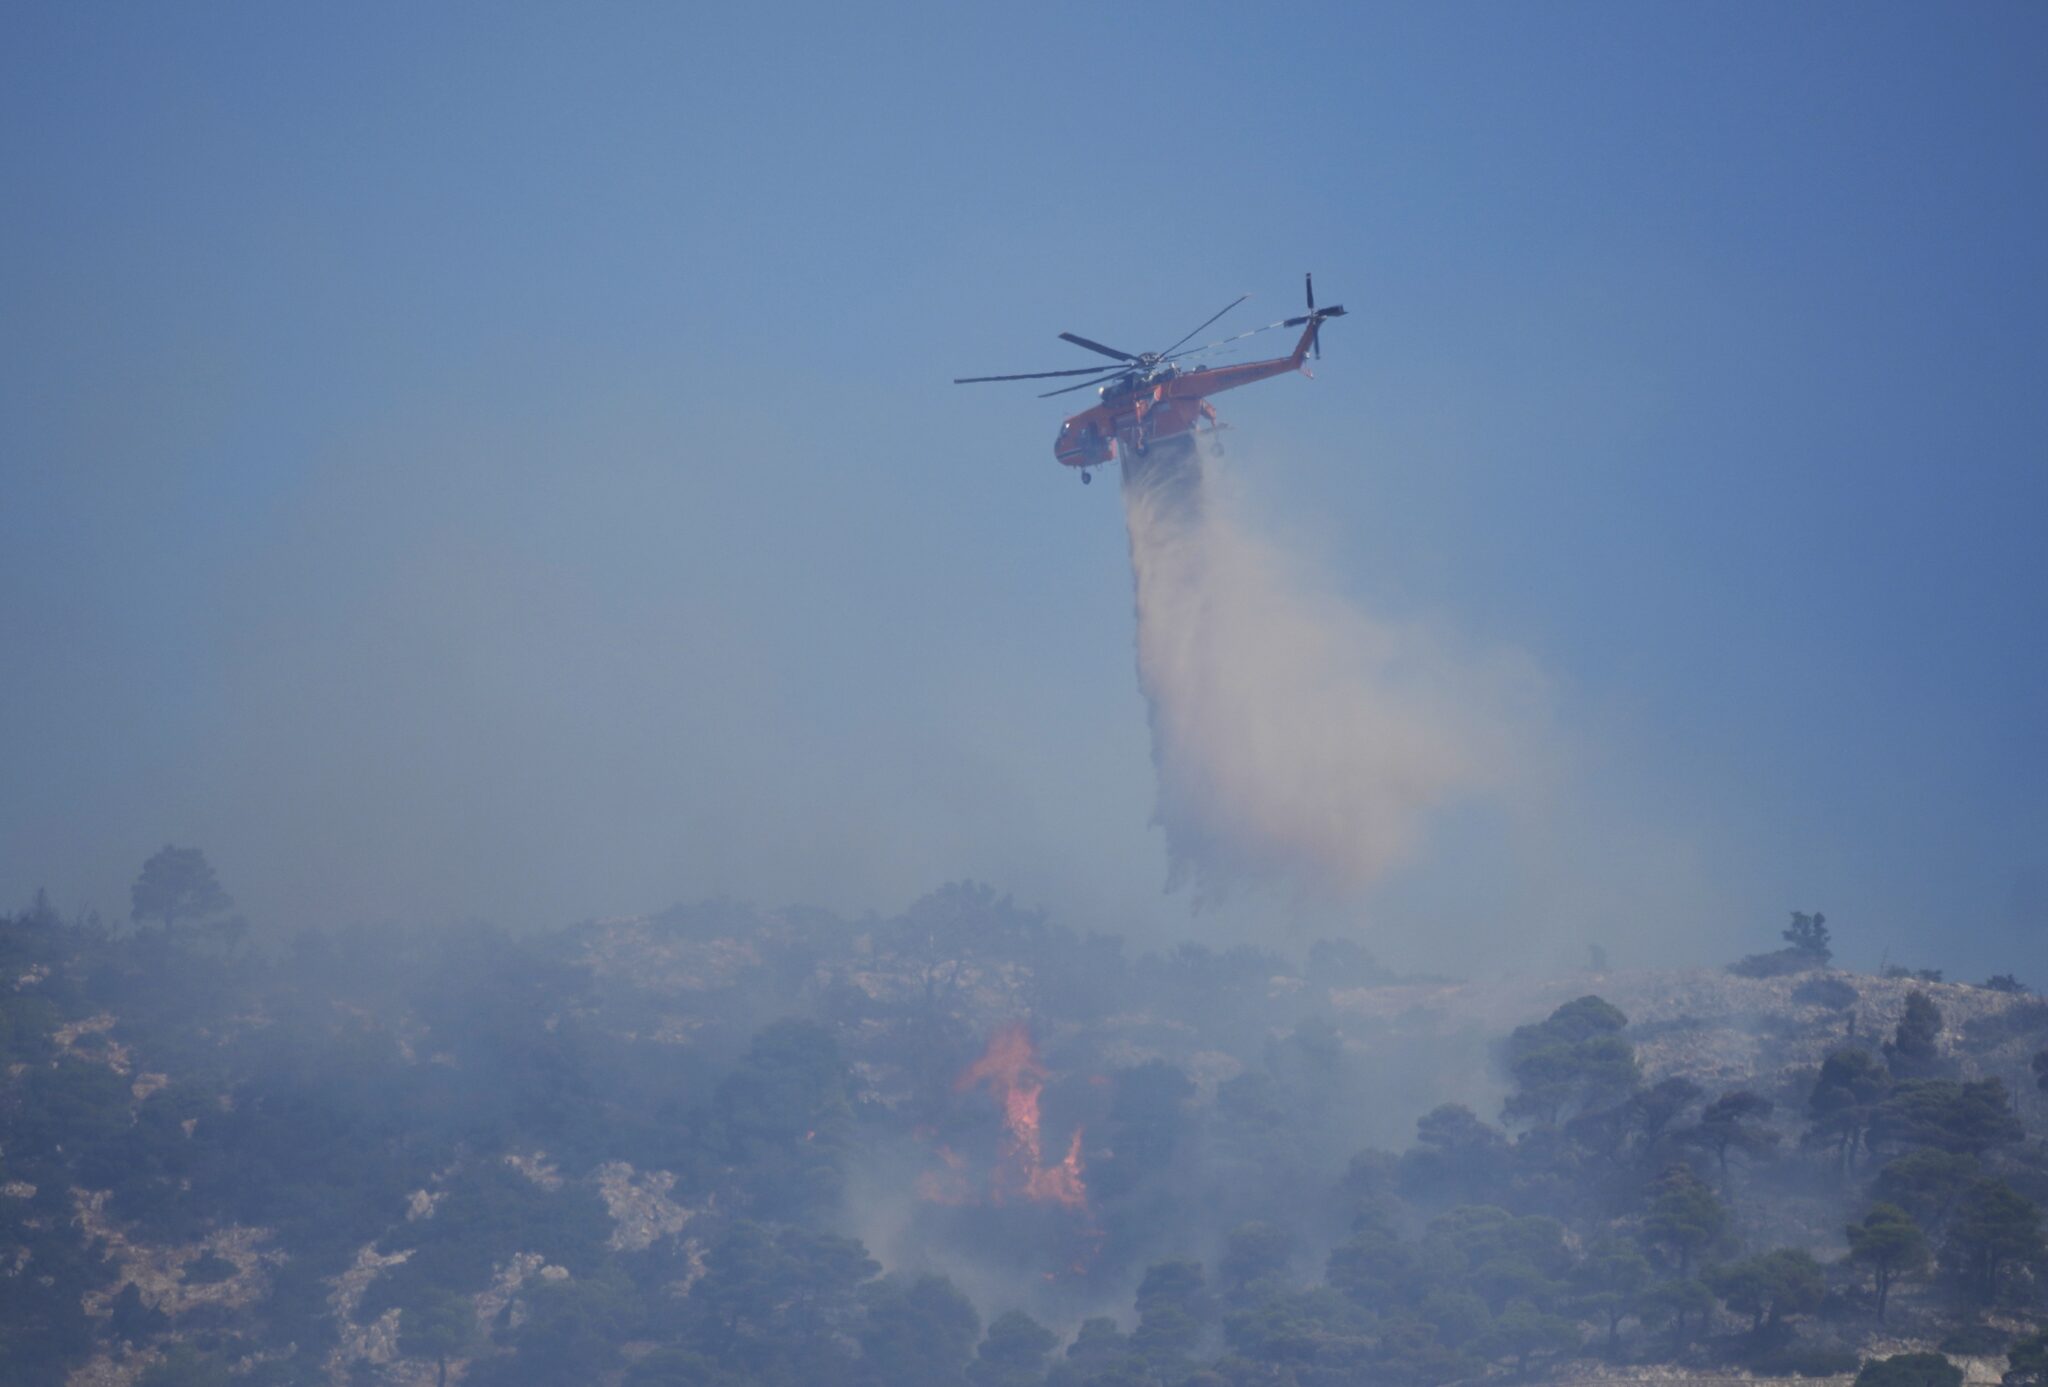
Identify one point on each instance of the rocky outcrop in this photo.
(648, 955)
(157, 1270)
(639, 1205)
(105, 1370)
(537, 1168)
(92, 1040)
(377, 1341)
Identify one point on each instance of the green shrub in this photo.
(1778, 964)
(1832, 993)
(1910, 1370)
(1802, 1360)
(1977, 1341)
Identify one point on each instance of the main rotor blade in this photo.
(1308, 282)
(1080, 341)
(1081, 386)
(1210, 319)
(1239, 336)
(1035, 375)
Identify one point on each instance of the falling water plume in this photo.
(1295, 738)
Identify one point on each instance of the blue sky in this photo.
(500, 462)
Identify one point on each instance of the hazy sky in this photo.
(500, 461)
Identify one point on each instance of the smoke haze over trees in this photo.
(968, 1144)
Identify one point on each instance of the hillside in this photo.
(968, 1144)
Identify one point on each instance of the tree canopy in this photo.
(177, 884)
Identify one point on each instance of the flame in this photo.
(1012, 1071)
(947, 1186)
(1062, 1183)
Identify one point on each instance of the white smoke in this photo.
(1297, 739)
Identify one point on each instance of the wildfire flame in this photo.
(1012, 1071)
(947, 1185)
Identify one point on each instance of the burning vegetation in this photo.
(1010, 1070)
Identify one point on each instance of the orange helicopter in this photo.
(1150, 396)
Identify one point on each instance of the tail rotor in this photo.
(1313, 319)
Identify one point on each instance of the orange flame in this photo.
(1062, 1183)
(947, 1186)
(1012, 1071)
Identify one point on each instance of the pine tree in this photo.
(1891, 1245)
(1684, 1217)
(1809, 934)
(177, 884)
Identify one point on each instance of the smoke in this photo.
(1296, 738)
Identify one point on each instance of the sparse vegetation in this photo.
(1806, 940)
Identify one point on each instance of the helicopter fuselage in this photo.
(1151, 396)
(1137, 410)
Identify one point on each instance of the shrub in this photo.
(1910, 1370)
(1832, 993)
(1779, 964)
(1803, 1360)
(2020, 1019)
(1977, 1341)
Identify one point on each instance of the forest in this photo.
(968, 1144)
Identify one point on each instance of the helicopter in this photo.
(1149, 397)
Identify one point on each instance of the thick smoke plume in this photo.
(1296, 738)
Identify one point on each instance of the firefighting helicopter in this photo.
(1151, 396)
